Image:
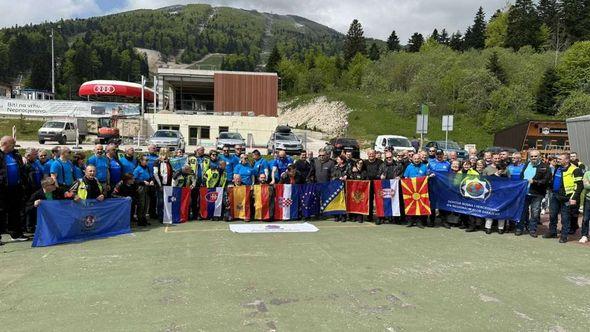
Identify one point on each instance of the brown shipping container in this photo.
(235, 92)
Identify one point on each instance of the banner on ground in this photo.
(333, 201)
(177, 204)
(64, 108)
(484, 197)
(211, 202)
(273, 228)
(415, 194)
(358, 194)
(386, 195)
(262, 196)
(70, 221)
(286, 202)
(239, 202)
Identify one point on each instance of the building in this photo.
(5, 90)
(579, 135)
(549, 137)
(203, 103)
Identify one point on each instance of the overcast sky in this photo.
(378, 17)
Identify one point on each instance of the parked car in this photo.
(169, 139)
(447, 147)
(63, 131)
(230, 140)
(342, 144)
(393, 142)
(284, 139)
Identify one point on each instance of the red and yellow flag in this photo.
(239, 202)
(262, 202)
(357, 196)
(416, 201)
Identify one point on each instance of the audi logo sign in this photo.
(104, 89)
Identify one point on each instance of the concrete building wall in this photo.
(255, 129)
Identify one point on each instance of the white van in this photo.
(397, 143)
(63, 131)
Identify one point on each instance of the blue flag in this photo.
(333, 201)
(480, 196)
(69, 221)
(309, 199)
(178, 162)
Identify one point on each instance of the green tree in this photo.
(495, 68)
(496, 30)
(415, 42)
(548, 93)
(549, 12)
(524, 26)
(435, 35)
(456, 42)
(354, 42)
(374, 54)
(274, 59)
(508, 105)
(576, 104)
(576, 19)
(393, 42)
(356, 69)
(574, 69)
(475, 35)
(444, 37)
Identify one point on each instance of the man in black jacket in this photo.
(303, 167)
(372, 167)
(13, 181)
(538, 174)
(49, 191)
(321, 169)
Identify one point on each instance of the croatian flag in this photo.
(387, 198)
(286, 201)
(177, 203)
(211, 202)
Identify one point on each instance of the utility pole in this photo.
(52, 66)
(141, 111)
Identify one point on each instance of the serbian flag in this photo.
(239, 202)
(358, 194)
(386, 196)
(177, 204)
(262, 197)
(332, 200)
(286, 201)
(211, 200)
(416, 201)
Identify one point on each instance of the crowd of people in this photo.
(557, 184)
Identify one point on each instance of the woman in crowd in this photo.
(162, 175)
(79, 165)
(143, 179)
(245, 170)
(341, 172)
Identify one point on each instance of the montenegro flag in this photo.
(239, 202)
(416, 201)
(262, 199)
(357, 197)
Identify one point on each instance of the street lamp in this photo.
(53, 62)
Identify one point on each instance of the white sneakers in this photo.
(584, 239)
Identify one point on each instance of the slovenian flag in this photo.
(262, 198)
(211, 202)
(286, 201)
(333, 201)
(386, 196)
(177, 204)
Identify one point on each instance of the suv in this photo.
(393, 142)
(447, 147)
(230, 140)
(169, 139)
(339, 145)
(284, 139)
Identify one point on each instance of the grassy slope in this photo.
(26, 129)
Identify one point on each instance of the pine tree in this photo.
(415, 42)
(548, 12)
(456, 42)
(444, 37)
(576, 19)
(524, 25)
(435, 36)
(354, 41)
(548, 92)
(475, 36)
(272, 65)
(495, 68)
(393, 42)
(374, 52)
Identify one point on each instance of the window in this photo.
(168, 127)
(197, 133)
(223, 129)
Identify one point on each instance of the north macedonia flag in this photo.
(415, 192)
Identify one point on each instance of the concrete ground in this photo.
(201, 277)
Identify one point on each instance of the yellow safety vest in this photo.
(83, 192)
(569, 180)
(211, 177)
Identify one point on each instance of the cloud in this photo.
(378, 17)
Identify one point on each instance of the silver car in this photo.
(169, 139)
(230, 140)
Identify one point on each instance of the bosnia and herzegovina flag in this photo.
(239, 202)
(262, 196)
(177, 204)
(358, 196)
(211, 202)
(386, 197)
(286, 201)
(333, 201)
(415, 193)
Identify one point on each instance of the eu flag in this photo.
(309, 199)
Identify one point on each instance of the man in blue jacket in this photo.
(441, 166)
(414, 170)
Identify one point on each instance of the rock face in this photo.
(319, 114)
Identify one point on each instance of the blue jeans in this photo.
(531, 219)
(559, 207)
(586, 219)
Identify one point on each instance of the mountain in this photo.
(107, 47)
